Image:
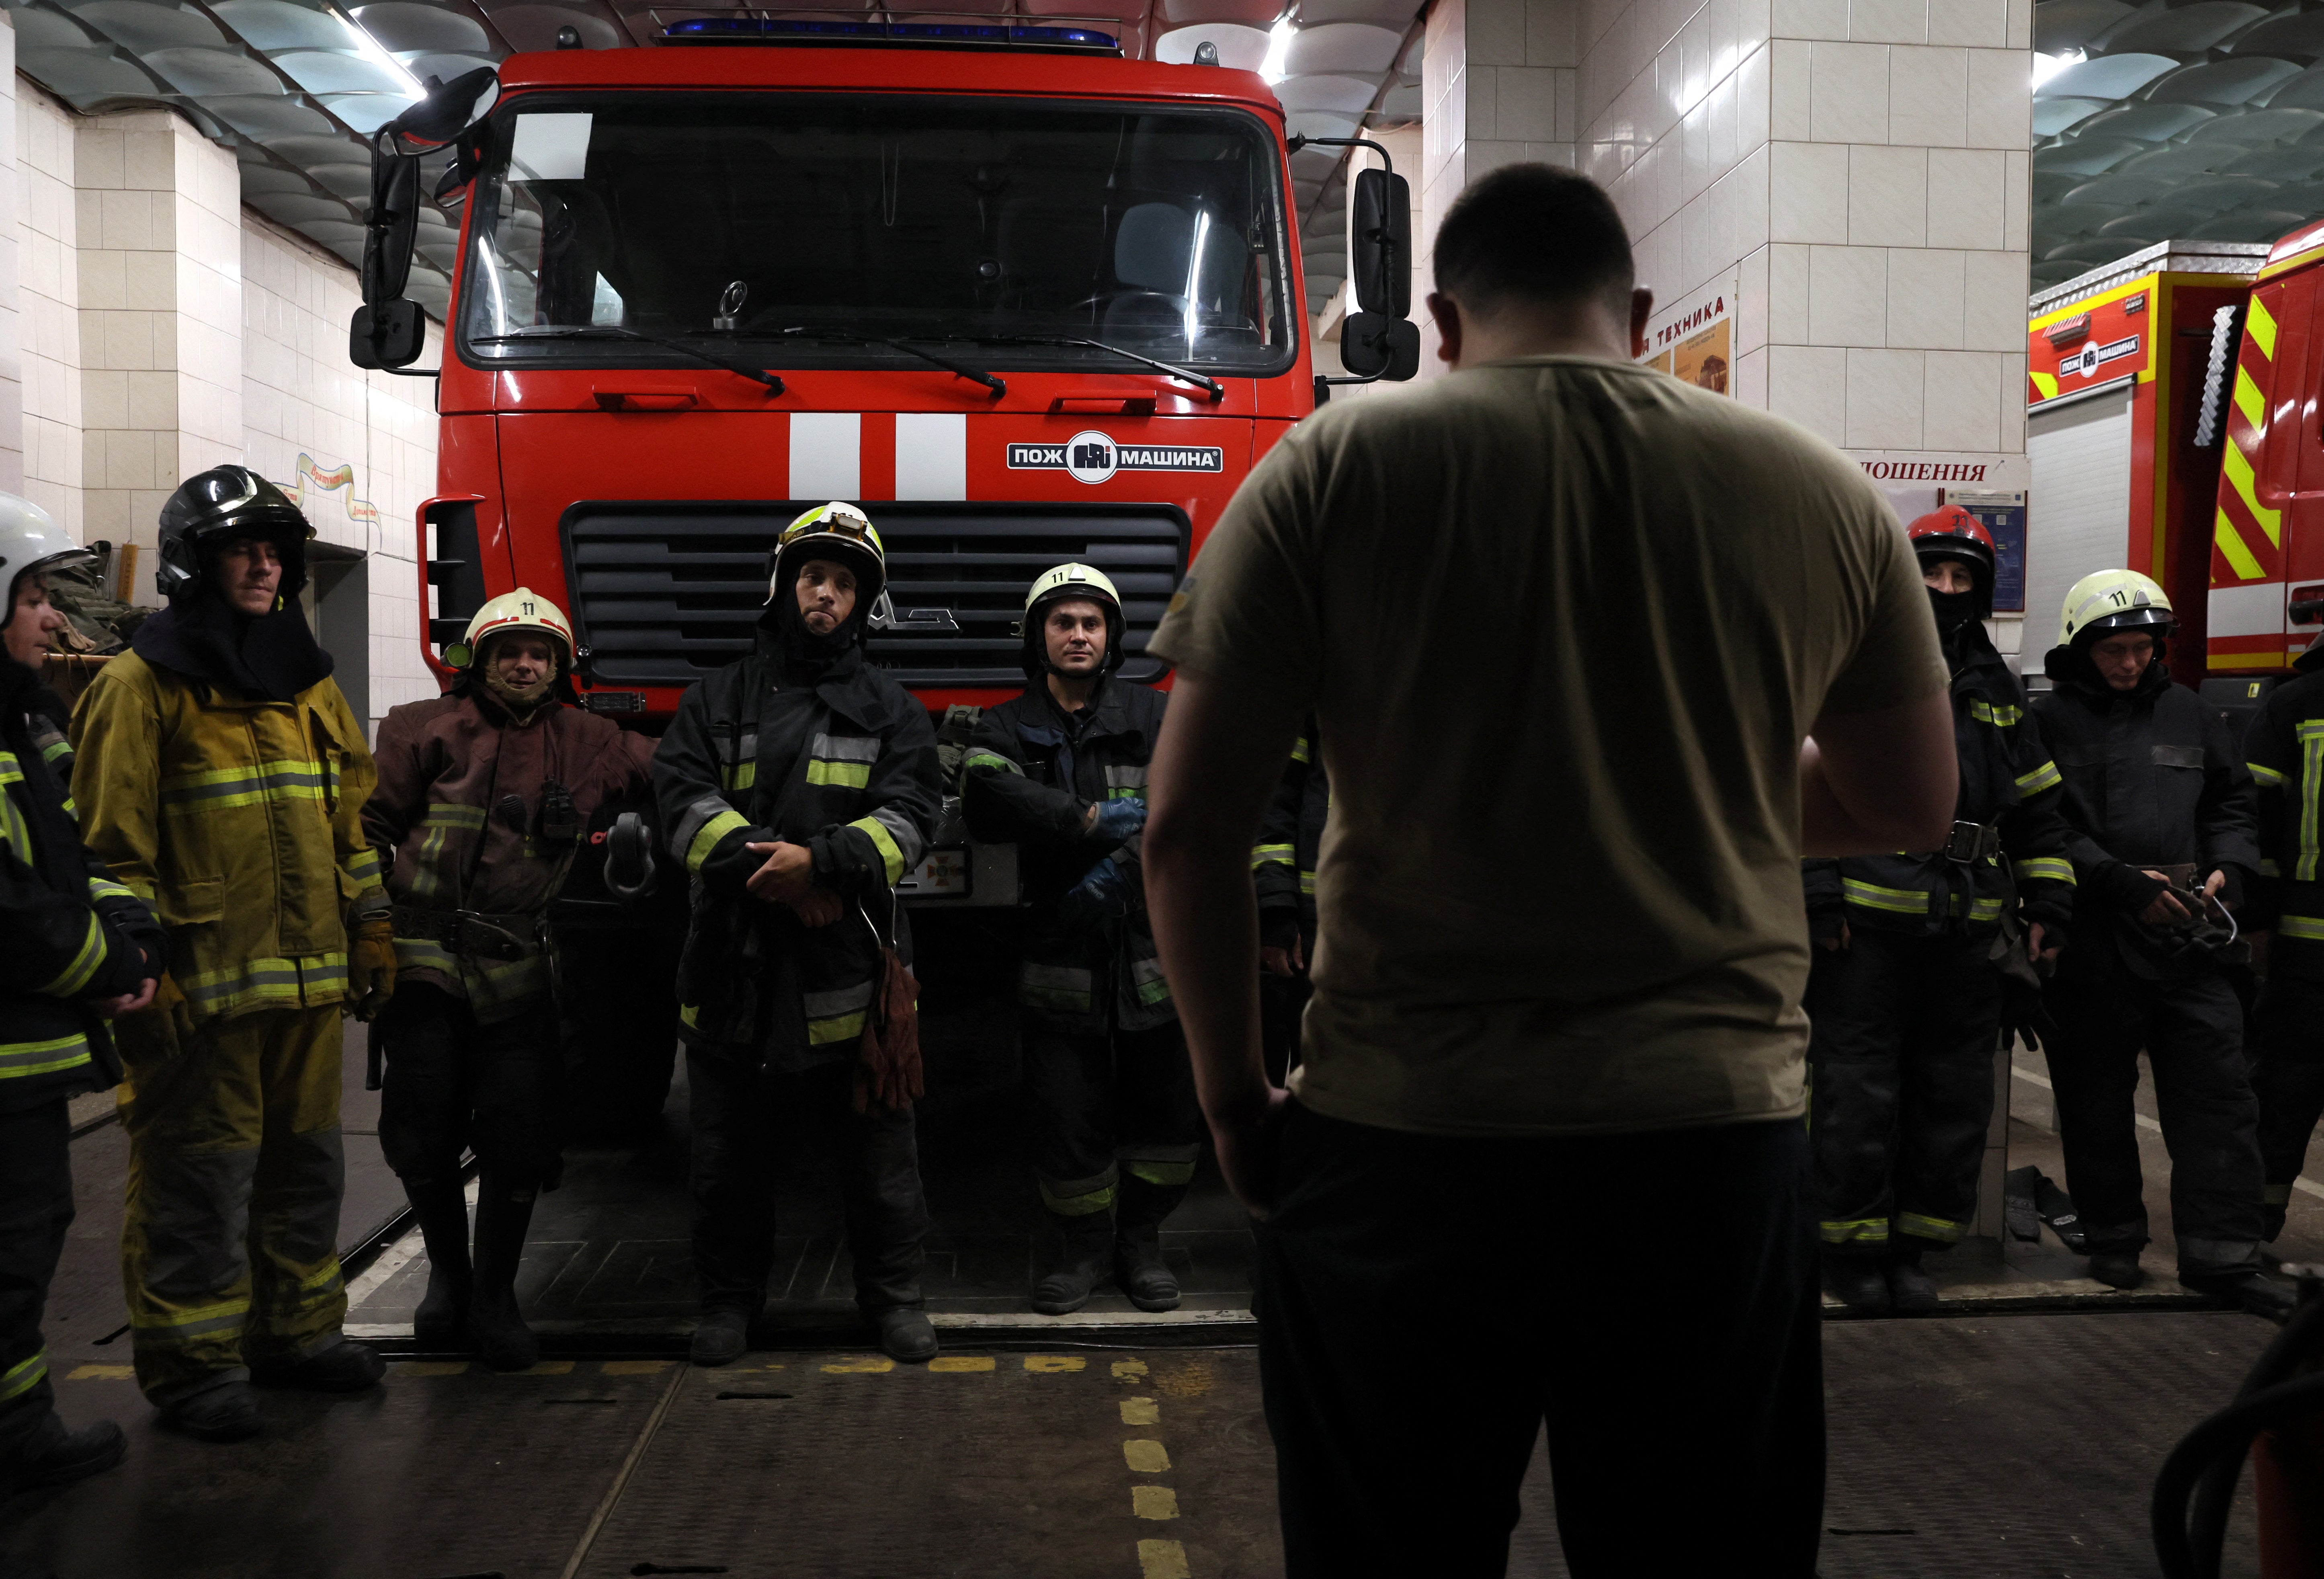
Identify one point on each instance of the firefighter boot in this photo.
(2118, 1269)
(1139, 1269)
(1859, 1283)
(228, 1412)
(905, 1334)
(2253, 1291)
(1065, 1286)
(50, 1455)
(721, 1336)
(441, 1207)
(1911, 1290)
(496, 1328)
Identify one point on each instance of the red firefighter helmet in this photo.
(1953, 533)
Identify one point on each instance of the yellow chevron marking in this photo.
(2231, 545)
(2261, 327)
(2248, 402)
(2237, 466)
(2047, 383)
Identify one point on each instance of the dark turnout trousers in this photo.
(452, 1084)
(36, 1207)
(1115, 1121)
(1685, 1434)
(2288, 1080)
(1905, 1031)
(2192, 1032)
(741, 1117)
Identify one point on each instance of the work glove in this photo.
(1279, 929)
(2126, 887)
(370, 966)
(1104, 892)
(889, 1073)
(2024, 1017)
(1117, 822)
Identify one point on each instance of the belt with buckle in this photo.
(470, 932)
(1972, 841)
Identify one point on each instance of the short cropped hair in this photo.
(1534, 234)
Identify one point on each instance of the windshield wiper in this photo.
(615, 332)
(1218, 391)
(973, 374)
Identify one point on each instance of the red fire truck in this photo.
(1026, 300)
(2172, 428)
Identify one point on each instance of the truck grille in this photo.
(665, 594)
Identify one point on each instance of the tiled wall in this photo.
(1865, 164)
(1498, 87)
(307, 412)
(166, 329)
(48, 273)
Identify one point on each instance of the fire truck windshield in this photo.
(806, 231)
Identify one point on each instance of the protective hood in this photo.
(270, 657)
(2071, 666)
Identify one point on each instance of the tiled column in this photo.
(49, 321)
(159, 228)
(11, 370)
(1497, 86)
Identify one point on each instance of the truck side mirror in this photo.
(388, 331)
(1380, 225)
(1373, 344)
(390, 335)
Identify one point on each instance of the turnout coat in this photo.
(838, 758)
(69, 935)
(479, 810)
(239, 821)
(2008, 778)
(2151, 781)
(1030, 778)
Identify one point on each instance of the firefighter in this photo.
(1283, 871)
(483, 797)
(798, 785)
(1060, 771)
(221, 777)
(76, 947)
(2163, 841)
(1904, 997)
(2288, 1070)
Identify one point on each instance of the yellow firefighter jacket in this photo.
(238, 823)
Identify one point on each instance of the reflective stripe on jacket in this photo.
(1030, 778)
(846, 767)
(2006, 777)
(69, 935)
(441, 817)
(2284, 749)
(239, 821)
(1291, 835)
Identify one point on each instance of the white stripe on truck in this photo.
(827, 454)
(931, 455)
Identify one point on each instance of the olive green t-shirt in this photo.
(1564, 623)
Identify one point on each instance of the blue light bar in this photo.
(953, 34)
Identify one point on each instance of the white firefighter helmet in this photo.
(1056, 586)
(2115, 600)
(521, 610)
(30, 541)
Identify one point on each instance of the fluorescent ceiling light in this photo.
(1279, 43)
(371, 50)
(2048, 66)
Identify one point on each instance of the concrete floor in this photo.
(1985, 1442)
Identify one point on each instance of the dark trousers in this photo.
(1108, 1105)
(1685, 1433)
(36, 1207)
(741, 1116)
(1282, 1004)
(1905, 1031)
(451, 1084)
(2192, 1032)
(2288, 1080)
